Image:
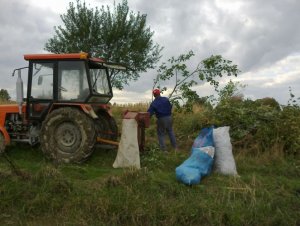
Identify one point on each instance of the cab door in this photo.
(40, 88)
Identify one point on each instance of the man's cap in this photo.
(156, 92)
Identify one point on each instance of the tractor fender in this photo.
(89, 110)
(5, 134)
(86, 108)
(104, 113)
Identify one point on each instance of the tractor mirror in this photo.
(40, 80)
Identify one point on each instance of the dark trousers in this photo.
(164, 125)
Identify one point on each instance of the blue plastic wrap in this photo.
(205, 138)
(198, 165)
(187, 175)
(200, 162)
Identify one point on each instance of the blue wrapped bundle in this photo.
(205, 138)
(187, 175)
(198, 165)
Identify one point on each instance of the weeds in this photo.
(151, 195)
(152, 157)
(265, 145)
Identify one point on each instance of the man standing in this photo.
(162, 108)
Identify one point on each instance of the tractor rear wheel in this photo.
(68, 135)
(2, 143)
(114, 129)
(106, 126)
(102, 127)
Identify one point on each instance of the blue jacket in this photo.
(161, 107)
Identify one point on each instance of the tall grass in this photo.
(266, 192)
(255, 126)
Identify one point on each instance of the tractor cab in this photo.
(62, 79)
(66, 109)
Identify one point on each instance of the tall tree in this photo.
(184, 78)
(4, 95)
(118, 35)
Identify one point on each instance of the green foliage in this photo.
(187, 125)
(4, 96)
(152, 157)
(95, 193)
(54, 195)
(248, 119)
(208, 70)
(118, 35)
(289, 132)
(255, 126)
(293, 101)
(232, 90)
(216, 66)
(268, 101)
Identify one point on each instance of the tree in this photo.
(4, 96)
(231, 91)
(185, 79)
(119, 36)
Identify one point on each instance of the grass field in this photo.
(267, 192)
(35, 191)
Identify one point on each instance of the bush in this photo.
(255, 125)
(269, 101)
(289, 133)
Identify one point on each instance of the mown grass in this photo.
(267, 192)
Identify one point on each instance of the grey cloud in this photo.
(258, 35)
(24, 29)
(272, 34)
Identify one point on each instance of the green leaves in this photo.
(117, 34)
(4, 96)
(184, 78)
(293, 101)
(216, 66)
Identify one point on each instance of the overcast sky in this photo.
(261, 37)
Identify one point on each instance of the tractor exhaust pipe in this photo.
(19, 88)
(20, 94)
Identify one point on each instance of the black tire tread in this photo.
(2, 143)
(50, 147)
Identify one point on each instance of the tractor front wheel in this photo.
(68, 135)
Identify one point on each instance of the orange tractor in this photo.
(66, 109)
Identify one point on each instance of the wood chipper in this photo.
(66, 109)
